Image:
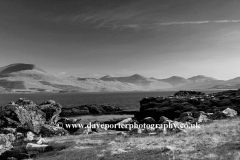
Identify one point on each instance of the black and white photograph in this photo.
(119, 79)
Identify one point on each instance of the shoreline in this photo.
(107, 92)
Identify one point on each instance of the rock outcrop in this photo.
(192, 102)
(51, 110)
(22, 114)
(26, 116)
(89, 109)
(25, 121)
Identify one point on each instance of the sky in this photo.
(93, 38)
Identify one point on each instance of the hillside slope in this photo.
(30, 77)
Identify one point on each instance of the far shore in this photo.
(107, 92)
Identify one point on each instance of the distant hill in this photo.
(201, 78)
(226, 86)
(234, 80)
(18, 67)
(29, 77)
(136, 78)
(20, 77)
(176, 81)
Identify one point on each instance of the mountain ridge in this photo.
(30, 77)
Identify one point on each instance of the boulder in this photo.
(189, 93)
(18, 153)
(24, 113)
(8, 130)
(96, 109)
(89, 109)
(6, 141)
(24, 102)
(30, 136)
(136, 131)
(124, 134)
(169, 107)
(163, 120)
(126, 121)
(230, 112)
(186, 119)
(63, 122)
(66, 112)
(125, 124)
(219, 115)
(110, 109)
(83, 131)
(167, 149)
(51, 110)
(50, 130)
(97, 126)
(31, 118)
(148, 120)
(31, 147)
(42, 141)
(203, 118)
(184, 114)
(80, 111)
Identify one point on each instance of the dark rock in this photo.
(225, 102)
(162, 120)
(219, 115)
(24, 114)
(186, 119)
(25, 102)
(50, 130)
(66, 112)
(148, 120)
(184, 114)
(89, 109)
(63, 122)
(80, 111)
(188, 93)
(18, 153)
(188, 101)
(51, 110)
(83, 131)
(95, 109)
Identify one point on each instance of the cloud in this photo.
(144, 26)
(198, 22)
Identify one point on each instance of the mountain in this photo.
(200, 82)
(226, 86)
(229, 84)
(234, 80)
(20, 77)
(176, 81)
(201, 78)
(18, 67)
(136, 78)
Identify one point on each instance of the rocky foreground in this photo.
(24, 124)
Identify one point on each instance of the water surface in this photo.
(125, 100)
